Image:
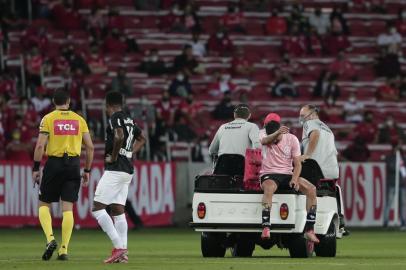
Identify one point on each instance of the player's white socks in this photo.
(107, 225)
(120, 222)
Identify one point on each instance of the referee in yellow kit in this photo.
(62, 132)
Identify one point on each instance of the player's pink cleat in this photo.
(122, 259)
(116, 253)
(310, 235)
(266, 233)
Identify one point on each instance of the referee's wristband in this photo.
(87, 170)
(35, 168)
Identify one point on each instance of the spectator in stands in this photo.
(222, 85)
(118, 43)
(321, 83)
(122, 83)
(60, 65)
(35, 36)
(391, 41)
(332, 92)
(219, 44)
(29, 117)
(391, 171)
(388, 91)
(368, 129)
(225, 109)
(276, 25)
(189, 108)
(390, 132)
(198, 47)
(319, 21)
(26, 132)
(256, 5)
(7, 115)
(114, 20)
(357, 151)
(34, 63)
(353, 109)
(297, 20)
(165, 110)
(180, 86)
(233, 20)
(342, 67)
(182, 130)
(76, 60)
(172, 22)
(400, 23)
(96, 23)
(186, 62)
(387, 64)
(41, 102)
(336, 42)
(338, 22)
(283, 86)
(8, 87)
(65, 16)
(330, 112)
(16, 150)
(95, 60)
(240, 66)
(315, 43)
(190, 19)
(295, 44)
(153, 65)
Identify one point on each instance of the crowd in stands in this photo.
(315, 32)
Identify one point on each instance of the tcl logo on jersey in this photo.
(66, 127)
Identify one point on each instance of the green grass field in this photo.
(179, 249)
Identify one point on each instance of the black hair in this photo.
(60, 97)
(272, 127)
(242, 111)
(114, 98)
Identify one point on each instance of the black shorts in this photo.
(281, 180)
(60, 180)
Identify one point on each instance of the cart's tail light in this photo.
(201, 210)
(284, 211)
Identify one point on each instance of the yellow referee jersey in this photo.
(65, 130)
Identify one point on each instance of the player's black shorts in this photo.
(60, 180)
(281, 180)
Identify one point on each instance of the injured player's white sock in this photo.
(120, 222)
(106, 223)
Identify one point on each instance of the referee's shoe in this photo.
(49, 250)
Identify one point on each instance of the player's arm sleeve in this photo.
(44, 126)
(137, 132)
(254, 136)
(83, 126)
(215, 144)
(116, 122)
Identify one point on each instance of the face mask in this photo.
(393, 31)
(220, 35)
(389, 123)
(301, 121)
(154, 58)
(352, 99)
(180, 77)
(272, 127)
